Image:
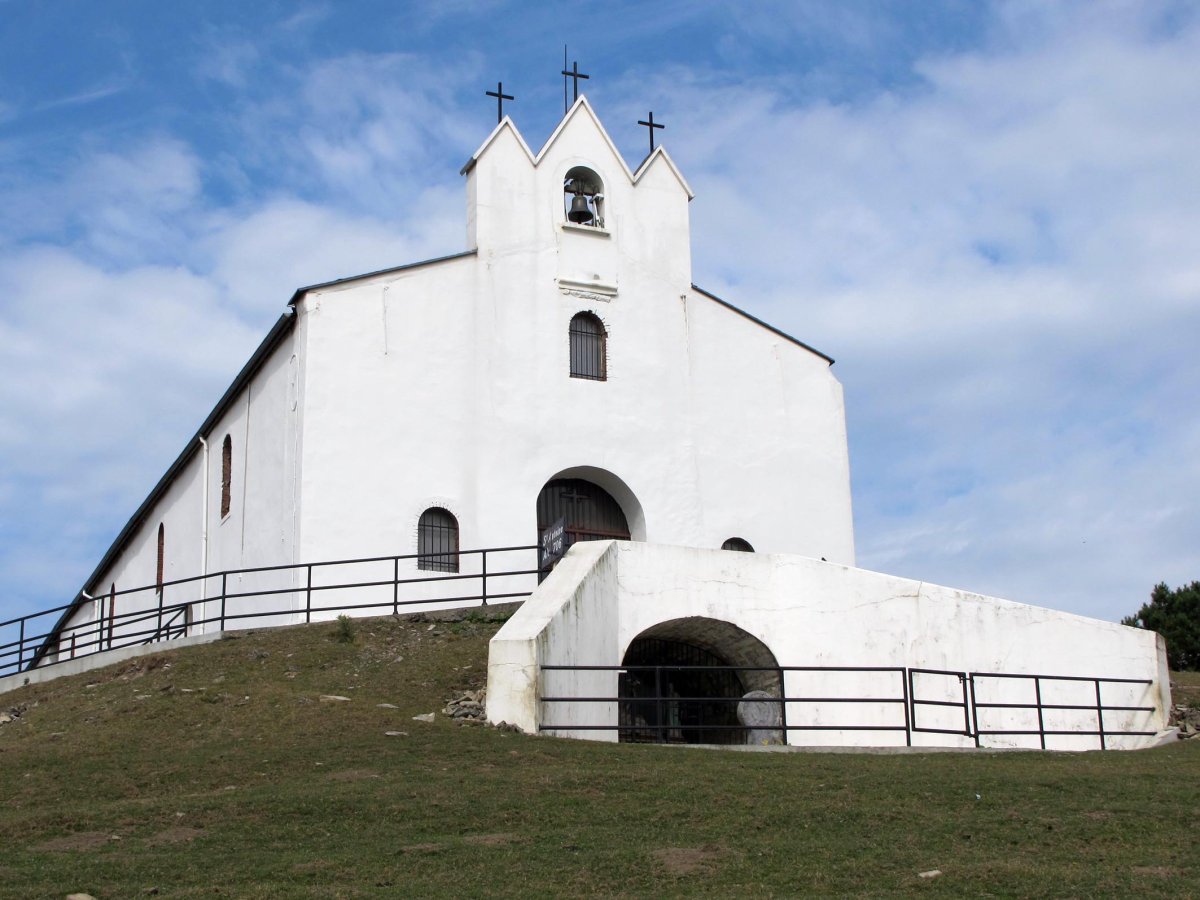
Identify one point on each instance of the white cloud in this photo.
(83, 429)
(263, 257)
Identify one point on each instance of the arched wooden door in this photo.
(588, 511)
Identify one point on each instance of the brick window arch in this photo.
(589, 351)
(437, 541)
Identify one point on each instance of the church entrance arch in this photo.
(594, 505)
(678, 689)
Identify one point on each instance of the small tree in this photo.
(1175, 614)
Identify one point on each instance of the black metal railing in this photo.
(263, 595)
(664, 703)
(673, 718)
(1039, 706)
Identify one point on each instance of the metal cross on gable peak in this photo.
(651, 125)
(574, 74)
(500, 96)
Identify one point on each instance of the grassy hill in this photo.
(218, 771)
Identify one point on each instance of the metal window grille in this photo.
(588, 348)
(736, 543)
(226, 474)
(437, 541)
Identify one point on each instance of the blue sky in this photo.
(988, 213)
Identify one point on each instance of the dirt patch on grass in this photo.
(176, 834)
(1155, 871)
(352, 775)
(491, 840)
(422, 848)
(81, 840)
(689, 860)
(139, 667)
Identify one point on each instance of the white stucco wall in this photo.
(265, 426)
(813, 613)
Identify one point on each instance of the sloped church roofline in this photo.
(758, 321)
(580, 107)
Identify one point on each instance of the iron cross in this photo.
(651, 125)
(574, 74)
(500, 96)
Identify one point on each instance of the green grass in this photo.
(1185, 689)
(216, 771)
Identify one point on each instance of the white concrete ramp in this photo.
(855, 658)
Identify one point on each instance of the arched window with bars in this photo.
(736, 543)
(589, 349)
(437, 541)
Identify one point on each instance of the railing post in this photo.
(783, 708)
(912, 698)
(658, 702)
(974, 709)
(158, 630)
(484, 555)
(308, 595)
(904, 676)
(224, 578)
(1100, 715)
(962, 677)
(21, 647)
(395, 585)
(1037, 692)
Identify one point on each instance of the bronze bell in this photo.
(580, 214)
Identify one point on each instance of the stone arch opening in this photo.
(666, 696)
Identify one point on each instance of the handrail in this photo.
(970, 704)
(113, 630)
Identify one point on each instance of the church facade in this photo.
(562, 366)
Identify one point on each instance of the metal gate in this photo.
(589, 511)
(944, 697)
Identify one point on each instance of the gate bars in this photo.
(908, 701)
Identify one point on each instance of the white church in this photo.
(563, 383)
